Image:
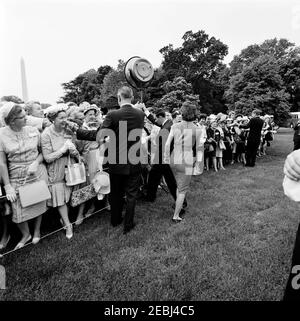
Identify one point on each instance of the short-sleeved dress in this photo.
(51, 142)
(21, 149)
(186, 136)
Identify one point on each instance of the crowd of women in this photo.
(37, 145)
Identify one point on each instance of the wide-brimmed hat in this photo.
(91, 107)
(101, 184)
(5, 110)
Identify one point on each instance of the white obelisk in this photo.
(24, 81)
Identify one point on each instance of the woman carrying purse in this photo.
(20, 154)
(57, 146)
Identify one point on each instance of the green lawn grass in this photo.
(235, 243)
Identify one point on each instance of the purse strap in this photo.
(78, 157)
(26, 180)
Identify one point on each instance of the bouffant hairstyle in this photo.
(13, 114)
(188, 111)
(202, 116)
(53, 115)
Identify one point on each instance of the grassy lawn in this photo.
(235, 243)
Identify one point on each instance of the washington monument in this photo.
(24, 81)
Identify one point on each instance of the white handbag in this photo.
(34, 192)
(75, 174)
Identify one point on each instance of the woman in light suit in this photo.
(187, 138)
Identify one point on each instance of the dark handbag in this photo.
(237, 139)
(82, 195)
(268, 136)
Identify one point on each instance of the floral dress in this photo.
(21, 149)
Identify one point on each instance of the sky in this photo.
(59, 39)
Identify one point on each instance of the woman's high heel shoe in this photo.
(22, 244)
(69, 232)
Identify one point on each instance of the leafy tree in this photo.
(198, 57)
(113, 81)
(177, 92)
(290, 72)
(259, 85)
(155, 90)
(86, 86)
(198, 60)
(286, 61)
(273, 47)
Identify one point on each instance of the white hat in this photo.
(101, 184)
(91, 107)
(5, 110)
(54, 109)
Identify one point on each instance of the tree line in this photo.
(264, 76)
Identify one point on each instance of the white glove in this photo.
(11, 194)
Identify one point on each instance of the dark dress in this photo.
(227, 154)
(210, 147)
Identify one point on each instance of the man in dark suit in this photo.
(84, 134)
(159, 169)
(124, 129)
(255, 125)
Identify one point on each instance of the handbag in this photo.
(82, 195)
(268, 136)
(237, 139)
(75, 173)
(222, 145)
(33, 193)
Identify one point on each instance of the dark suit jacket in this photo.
(118, 125)
(255, 125)
(86, 134)
(161, 139)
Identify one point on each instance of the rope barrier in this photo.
(62, 228)
(53, 232)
